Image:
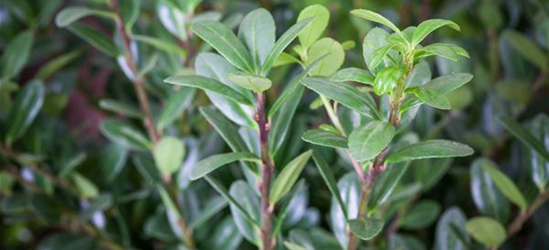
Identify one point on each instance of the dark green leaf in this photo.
(421, 215)
(72, 14)
(210, 85)
(523, 135)
(366, 228)
(426, 27)
(67, 241)
(249, 201)
(124, 134)
(101, 203)
(210, 164)
(527, 48)
(506, 186)
(113, 159)
(430, 149)
(374, 17)
(16, 54)
(211, 208)
(451, 230)
(367, 141)
(432, 98)
(488, 199)
(446, 84)
(325, 138)
(95, 38)
(24, 110)
(330, 181)
(353, 75)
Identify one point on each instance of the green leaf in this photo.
(210, 85)
(421, 215)
(68, 241)
(448, 51)
(430, 149)
(289, 175)
(113, 160)
(367, 141)
(330, 181)
(124, 134)
(72, 14)
(247, 200)
(24, 110)
(211, 208)
(16, 54)
(380, 54)
(293, 246)
(285, 59)
(168, 154)
(257, 31)
(450, 232)
(331, 63)
(446, 84)
(343, 93)
(426, 27)
(374, 17)
(506, 186)
(313, 31)
(95, 38)
(366, 228)
(280, 122)
(386, 80)
(225, 42)
(374, 39)
(85, 187)
(56, 64)
(487, 231)
(348, 45)
(386, 182)
(283, 42)
(101, 203)
(486, 196)
(210, 164)
(325, 138)
(174, 106)
(524, 136)
(432, 98)
(252, 82)
(353, 75)
(121, 108)
(161, 44)
(528, 49)
(540, 172)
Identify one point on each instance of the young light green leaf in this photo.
(168, 154)
(348, 45)
(524, 136)
(528, 49)
(343, 93)
(72, 14)
(255, 83)
(289, 175)
(366, 228)
(208, 84)
(426, 27)
(367, 141)
(283, 42)
(330, 181)
(353, 75)
(285, 59)
(325, 138)
(225, 42)
(95, 38)
(174, 106)
(332, 62)
(430, 149)
(386, 80)
(16, 54)
(432, 98)
(380, 54)
(85, 187)
(124, 134)
(313, 31)
(487, 231)
(374, 17)
(506, 186)
(257, 31)
(121, 108)
(24, 110)
(210, 164)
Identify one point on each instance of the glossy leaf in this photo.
(214, 162)
(487, 231)
(374, 17)
(432, 98)
(366, 228)
(314, 30)
(225, 42)
(426, 27)
(283, 42)
(451, 230)
(24, 110)
(124, 134)
(367, 141)
(257, 32)
(353, 75)
(430, 149)
(379, 54)
(293, 246)
(524, 136)
(506, 186)
(343, 93)
(16, 54)
(210, 85)
(330, 181)
(386, 80)
(113, 160)
(325, 138)
(255, 83)
(288, 176)
(72, 14)
(487, 197)
(168, 154)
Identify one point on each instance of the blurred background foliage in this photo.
(77, 173)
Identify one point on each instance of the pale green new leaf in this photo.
(257, 31)
(332, 62)
(487, 231)
(313, 31)
(506, 186)
(255, 83)
(16, 54)
(95, 38)
(168, 154)
(24, 110)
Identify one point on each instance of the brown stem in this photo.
(139, 86)
(267, 168)
(523, 216)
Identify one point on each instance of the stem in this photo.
(267, 167)
(139, 86)
(523, 216)
(378, 166)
